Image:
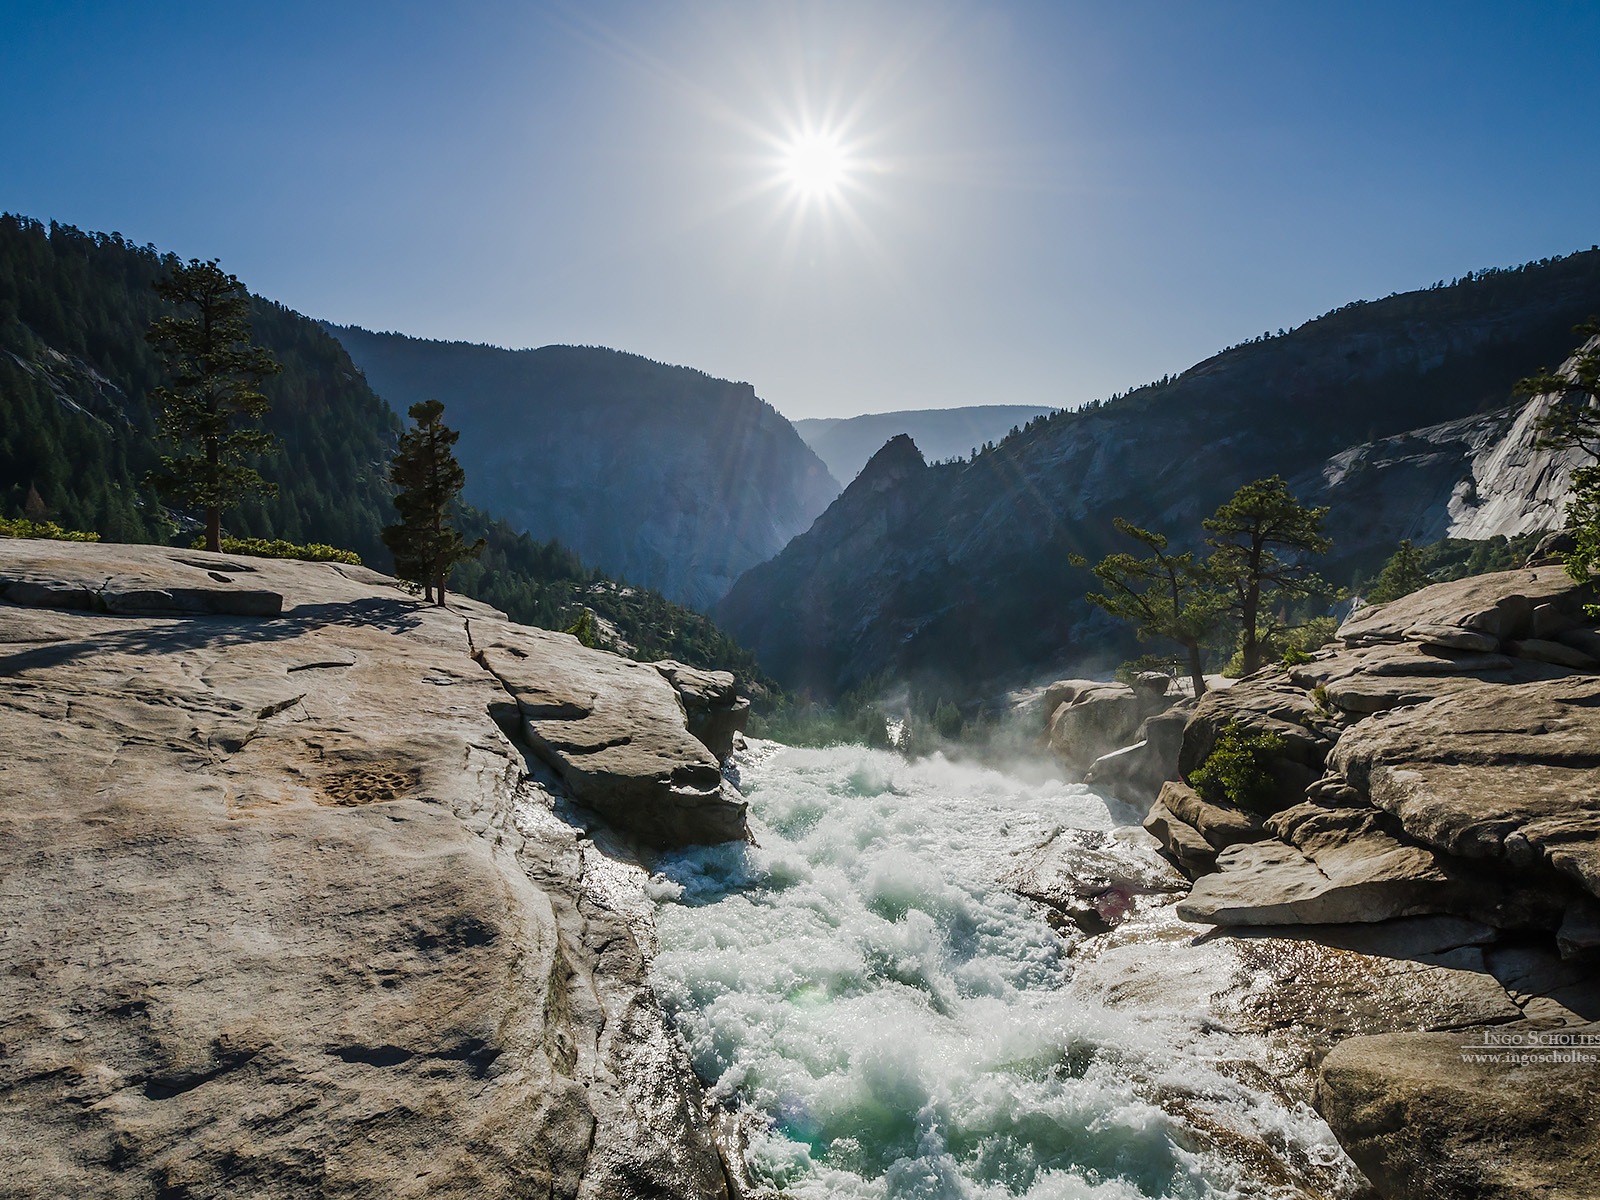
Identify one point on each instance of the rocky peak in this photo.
(897, 460)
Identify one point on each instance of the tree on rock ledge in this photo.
(1169, 596)
(425, 469)
(1259, 541)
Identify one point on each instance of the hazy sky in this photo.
(1038, 202)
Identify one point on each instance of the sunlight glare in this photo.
(815, 165)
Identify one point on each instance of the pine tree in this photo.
(1247, 533)
(1401, 575)
(216, 375)
(1167, 596)
(424, 546)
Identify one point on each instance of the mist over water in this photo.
(907, 1027)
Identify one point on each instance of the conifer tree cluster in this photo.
(425, 470)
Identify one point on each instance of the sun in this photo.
(816, 166)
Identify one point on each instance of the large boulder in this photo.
(1498, 606)
(717, 713)
(285, 915)
(1134, 774)
(1088, 719)
(617, 734)
(1093, 878)
(1267, 702)
(1500, 1112)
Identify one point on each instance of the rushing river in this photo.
(904, 1026)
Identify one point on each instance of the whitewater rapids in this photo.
(894, 1023)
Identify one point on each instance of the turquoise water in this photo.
(900, 1025)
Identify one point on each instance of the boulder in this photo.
(1364, 876)
(1222, 825)
(1092, 877)
(1267, 702)
(286, 917)
(1181, 840)
(615, 732)
(1134, 774)
(1502, 1112)
(1452, 637)
(1500, 606)
(1091, 719)
(716, 711)
(1556, 653)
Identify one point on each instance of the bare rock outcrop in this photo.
(1464, 1115)
(1454, 747)
(717, 713)
(286, 914)
(1088, 719)
(616, 733)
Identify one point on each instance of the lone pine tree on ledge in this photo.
(216, 375)
(424, 546)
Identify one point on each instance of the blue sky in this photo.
(1041, 202)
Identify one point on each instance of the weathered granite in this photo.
(1088, 719)
(286, 917)
(616, 733)
(1507, 773)
(1361, 876)
(1500, 606)
(1470, 1115)
(1186, 844)
(1134, 773)
(716, 711)
(1093, 878)
(1222, 825)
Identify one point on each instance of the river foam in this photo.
(906, 1027)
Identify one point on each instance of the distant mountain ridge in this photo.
(960, 572)
(846, 443)
(659, 474)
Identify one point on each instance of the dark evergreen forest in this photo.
(78, 434)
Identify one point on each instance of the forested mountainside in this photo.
(960, 572)
(78, 429)
(660, 474)
(846, 443)
(77, 434)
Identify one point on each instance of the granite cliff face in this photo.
(288, 913)
(660, 475)
(964, 572)
(1478, 477)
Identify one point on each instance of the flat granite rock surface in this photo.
(285, 914)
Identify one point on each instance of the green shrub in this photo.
(24, 528)
(1294, 657)
(583, 629)
(1238, 770)
(278, 548)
